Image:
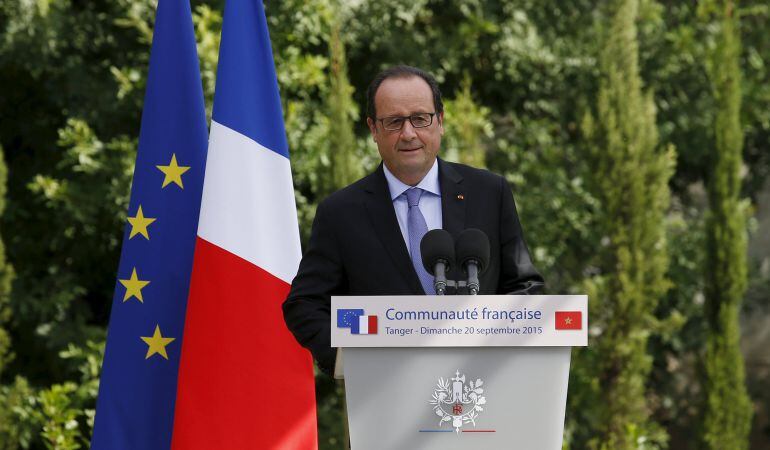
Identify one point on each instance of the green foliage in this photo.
(556, 209)
(300, 33)
(8, 432)
(208, 25)
(72, 166)
(631, 185)
(341, 112)
(675, 395)
(17, 429)
(332, 423)
(57, 417)
(60, 426)
(6, 275)
(470, 133)
(727, 419)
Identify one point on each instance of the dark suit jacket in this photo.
(356, 248)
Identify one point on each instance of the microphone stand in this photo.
(473, 277)
(440, 281)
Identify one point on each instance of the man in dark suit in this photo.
(365, 237)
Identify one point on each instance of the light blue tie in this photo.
(417, 228)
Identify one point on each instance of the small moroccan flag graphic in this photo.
(569, 320)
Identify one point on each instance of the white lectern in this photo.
(457, 372)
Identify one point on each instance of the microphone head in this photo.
(437, 245)
(473, 244)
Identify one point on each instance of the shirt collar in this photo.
(429, 182)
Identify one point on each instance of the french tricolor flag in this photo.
(364, 325)
(244, 382)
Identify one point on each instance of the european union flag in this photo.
(346, 318)
(137, 393)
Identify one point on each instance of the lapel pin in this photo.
(460, 197)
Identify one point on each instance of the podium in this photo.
(457, 372)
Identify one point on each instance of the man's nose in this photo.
(407, 132)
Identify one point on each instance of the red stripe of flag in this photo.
(372, 324)
(243, 379)
(569, 320)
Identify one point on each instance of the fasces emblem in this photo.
(456, 402)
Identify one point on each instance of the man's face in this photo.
(408, 153)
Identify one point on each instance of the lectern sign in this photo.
(457, 372)
(460, 321)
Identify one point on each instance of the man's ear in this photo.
(441, 122)
(372, 128)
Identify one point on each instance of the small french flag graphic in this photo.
(364, 325)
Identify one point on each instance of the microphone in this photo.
(438, 254)
(472, 250)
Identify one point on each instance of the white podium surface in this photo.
(494, 380)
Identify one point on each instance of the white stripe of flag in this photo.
(248, 204)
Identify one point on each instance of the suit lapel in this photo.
(379, 206)
(452, 199)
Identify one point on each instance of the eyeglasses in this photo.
(419, 120)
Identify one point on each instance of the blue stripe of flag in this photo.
(254, 108)
(135, 407)
(355, 327)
